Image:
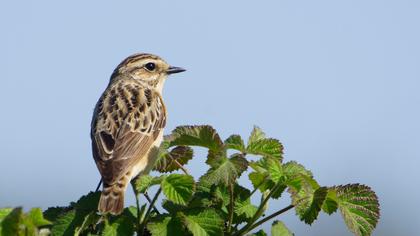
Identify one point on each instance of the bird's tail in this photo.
(112, 198)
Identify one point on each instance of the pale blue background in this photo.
(336, 81)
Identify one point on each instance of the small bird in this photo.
(127, 125)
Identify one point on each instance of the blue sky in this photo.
(336, 81)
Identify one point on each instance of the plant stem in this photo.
(231, 201)
(256, 188)
(181, 167)
(253, 191)
(137, 204)
(150, 201)
(262, 221)
(236, 226)
(149, 210)
(260, 210)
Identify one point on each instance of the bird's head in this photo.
(147, 68)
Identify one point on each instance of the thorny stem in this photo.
(257, 187)
(262, 221)
(181, 167)
(231, 201)
(248, 226)
(146, 217)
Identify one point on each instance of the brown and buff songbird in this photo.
(127, 125)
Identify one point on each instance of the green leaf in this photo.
(266, 147)
(203, 222)
(260, 180)
(307, 197)
(121, 226)
(256, 135)
(163, 148)
(235, 142)
(160, 227)
(88, 202)
(4, 212)
(215, 159)
(259, 233)
(90, 219)
(296, 174)
(274, 169)
(178, 188)
(277, 193)
(68, 222)
(269, 166)
(165, 225)
(269, 173)
(144, 182)
(293, 168)
(245, 209)
(172, 207)
(359, 207)
(202, 199)
(258, 144)
(311, 213)
(11, 222)
(35, 215)
(131, 212)
(279, 229)
(220, 194)
(240, 163)
(109, 230)
(52, 213)
(65, 224)
(18, 223)
(201, 135)
(171, 161)
(259, 166)
(226, 170)
(330, 204)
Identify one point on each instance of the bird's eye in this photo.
(150, 66)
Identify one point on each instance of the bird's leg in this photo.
(99, 185)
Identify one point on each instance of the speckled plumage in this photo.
(127, 126)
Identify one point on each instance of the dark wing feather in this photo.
(125, 129)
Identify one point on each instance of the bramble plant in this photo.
(215, 204)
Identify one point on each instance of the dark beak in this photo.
(173, 70)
